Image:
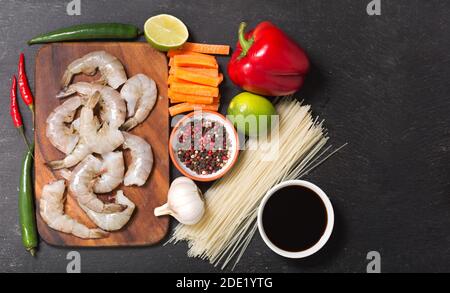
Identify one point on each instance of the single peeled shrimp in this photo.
(142, 160)
(103, 141)
(113, 221)
(81, 184)
(141, 93)
(113, 109)
(51, 207)
(112, 172)
(62, 137)
(110, 68)
(75, 126)
(77, 155)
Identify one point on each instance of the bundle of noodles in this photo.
(232, 202)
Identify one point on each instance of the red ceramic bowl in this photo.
(232, 135)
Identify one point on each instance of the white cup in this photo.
(328, 230)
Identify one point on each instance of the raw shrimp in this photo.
(142, 160)
(103, 141)
(75, 126)
(82, 180)
(51, 206)
(140, 92)
(113, 170)
(62, 137)
(79, 153)
(114, 221)
(113, 109)
(110, 68)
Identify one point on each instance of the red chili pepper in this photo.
(268, 62)
(24, 86)
(15, 112)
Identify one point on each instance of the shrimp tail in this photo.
(129, 124)
(102, 81)
(93, 100)
(66, 79)
(97, 233)
(113, 208)
(65, 92)
(56, 165)
(65, 173)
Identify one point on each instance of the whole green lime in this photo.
(251, 114)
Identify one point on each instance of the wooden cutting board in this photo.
(144, 228)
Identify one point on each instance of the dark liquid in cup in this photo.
(294, 218)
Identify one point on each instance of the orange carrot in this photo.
(175, 52)
(194, 89)
(193, 99)
(207, 48)
(186, 75)
(205, 71)
(175, 101)
(195, 61)
(172, 78)
(187, 107)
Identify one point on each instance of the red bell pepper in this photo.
(268, 62)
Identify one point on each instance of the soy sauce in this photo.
(294, 218)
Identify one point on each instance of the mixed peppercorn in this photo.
(203, 146)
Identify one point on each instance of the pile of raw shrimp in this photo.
(103, 134)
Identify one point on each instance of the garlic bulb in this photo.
(184, 203)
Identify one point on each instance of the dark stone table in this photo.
(381, 83)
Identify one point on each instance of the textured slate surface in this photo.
(380, 82)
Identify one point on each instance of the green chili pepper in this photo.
(96, 31)
(27, 215)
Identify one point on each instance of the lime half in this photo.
(165, 32)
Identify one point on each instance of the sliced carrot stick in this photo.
(215, 100)
(187, 107)
(194, 89)
(186, 75)
(171, 62)
(175, 101)
(193, 99)
(207, 48)
(195, 61)
(213, 72)
(175, 52)
(172, 78)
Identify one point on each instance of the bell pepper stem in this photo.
(245, 44)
